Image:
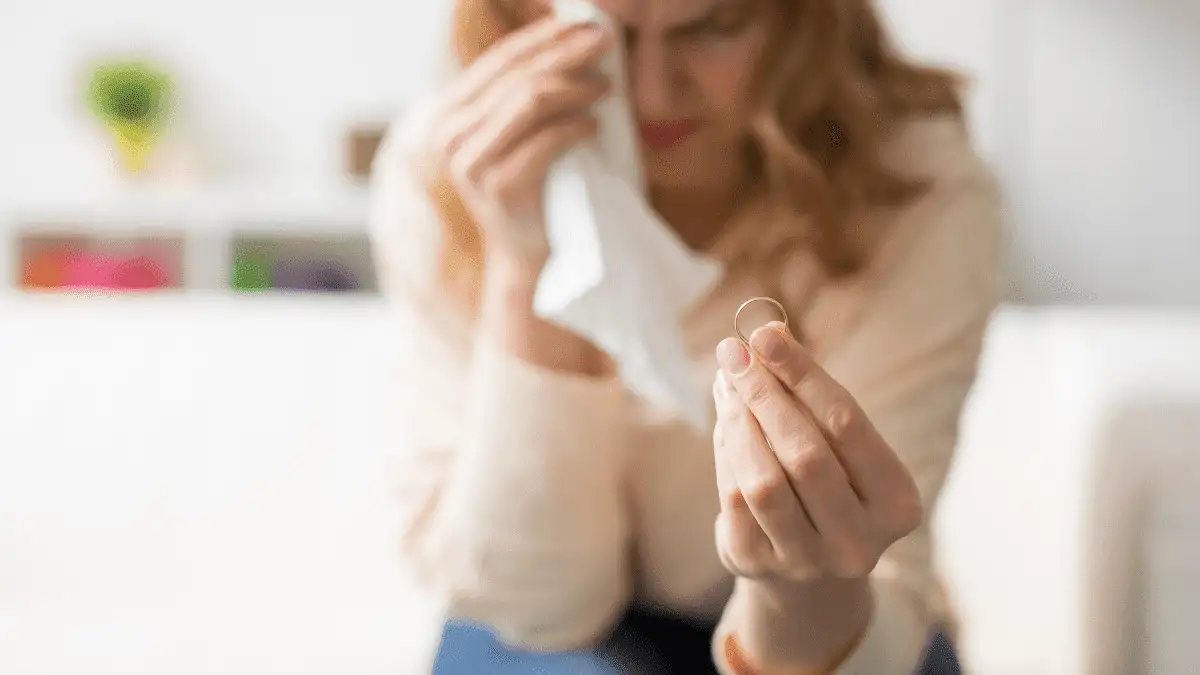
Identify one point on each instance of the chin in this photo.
(676, 169)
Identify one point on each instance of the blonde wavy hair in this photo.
(831, 90)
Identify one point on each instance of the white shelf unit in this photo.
(210, 225)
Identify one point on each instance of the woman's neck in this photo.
(699, 215)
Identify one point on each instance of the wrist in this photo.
(513, 277)
(508, 293)
(785, 595)
(507, 316)
(807, 627)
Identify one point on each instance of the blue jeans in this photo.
(643, 644)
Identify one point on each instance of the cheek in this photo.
(724, 76)
(726, 89)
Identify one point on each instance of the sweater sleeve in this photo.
(508, 473)
(910, 360)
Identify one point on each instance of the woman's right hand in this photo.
(498, 130)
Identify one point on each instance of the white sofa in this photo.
(199, 487)
(1069, 528)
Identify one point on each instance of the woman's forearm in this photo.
(800, 628)
(533, 502)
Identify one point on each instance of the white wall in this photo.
(1088, 109)
(1105, 150)
(270, 84)
(1091, 113)
(272, 88)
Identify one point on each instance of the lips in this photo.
(663, 135)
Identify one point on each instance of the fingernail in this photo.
(769, 342)
(733, 356)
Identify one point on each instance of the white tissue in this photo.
(617, 274)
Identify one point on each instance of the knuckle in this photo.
(731, 560)
(854, 566)
(842, 420)
(733, 498)
(852, 558)
(788, 558)
(804, 574)
(756, 568)
(733, 549)
(803, 461)
(542, 91)
(745, 564)
(490, 184)
(762, 493)
(545, 63)
(797, 562)
(498, 186)
(530, 94)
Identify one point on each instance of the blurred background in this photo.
(195, 479)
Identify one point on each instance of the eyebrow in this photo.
(716, 8)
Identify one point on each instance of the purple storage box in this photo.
(313, 276)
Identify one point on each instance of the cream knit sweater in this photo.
(542, 503)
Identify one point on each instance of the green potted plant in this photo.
(133, 100)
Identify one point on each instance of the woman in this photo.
(569, 527)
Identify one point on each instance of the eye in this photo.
(719, 28)
(728, 21)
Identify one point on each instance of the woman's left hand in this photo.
(809, 488)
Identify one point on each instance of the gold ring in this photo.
(738, 331)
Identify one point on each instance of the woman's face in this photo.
(691, 66)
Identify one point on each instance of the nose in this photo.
(653, 79)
